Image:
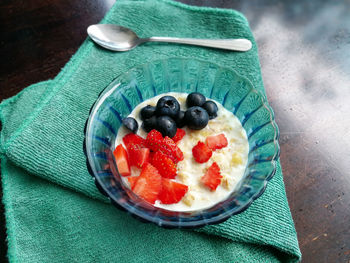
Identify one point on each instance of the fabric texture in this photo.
(54, 213)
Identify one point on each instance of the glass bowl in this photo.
(224, 85)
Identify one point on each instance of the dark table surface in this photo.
(304, 48)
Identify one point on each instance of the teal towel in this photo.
(54, 212)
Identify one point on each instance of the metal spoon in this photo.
(118, 38)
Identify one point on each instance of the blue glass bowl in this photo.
(234, 92)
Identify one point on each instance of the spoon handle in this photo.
(229, 44)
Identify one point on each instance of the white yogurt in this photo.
(232, 159)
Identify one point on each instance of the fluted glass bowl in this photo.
(224, 85)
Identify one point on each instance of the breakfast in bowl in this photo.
(181, 143)
(181, 152)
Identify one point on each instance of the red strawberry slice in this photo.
(170, 148)
(154, 140)
(216, 142)
(201, 152)
(138, 156)
(132, 180)
(134, 139)
(212, 177)
(121, 158)
(166, 167)
(137, 151)
(148, 184)
(172, 192)
(150, 158)
(180, 133)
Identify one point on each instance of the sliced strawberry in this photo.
(212, 177)
(121, 158)
(134, 139)
(180, 133)
(138, 156)
(150, 158)
(216, 142)
(166, 167)
(170, 148)
(137, 151)
(154, 140)
(148, 184)
(172, 192)
(201, 152)
(132, 180)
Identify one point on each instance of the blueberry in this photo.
(168, 106)
(195, 99)
(166, 126)
(131, 124)
(211, 108)
(180, 119)
(196, 118)
(149, 124)
(147, 112)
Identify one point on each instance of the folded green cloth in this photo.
(54, 212)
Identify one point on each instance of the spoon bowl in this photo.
(118, 38)
(112, 37)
